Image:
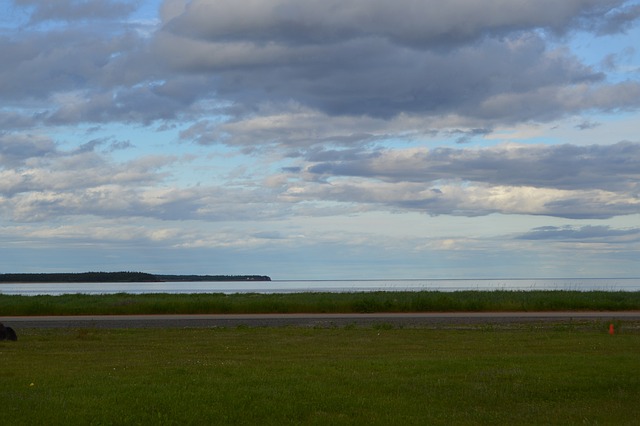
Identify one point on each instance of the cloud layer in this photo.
(489, 62)
(216, 112)
(354, 58)
(305, 76)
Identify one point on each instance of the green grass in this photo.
(559, 374)
(425, 301)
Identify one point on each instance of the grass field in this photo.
(423, 301)
(559, 374)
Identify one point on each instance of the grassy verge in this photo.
(376, 376)
(76, 304)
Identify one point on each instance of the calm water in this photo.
(334, 286)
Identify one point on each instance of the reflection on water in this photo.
(333, 286)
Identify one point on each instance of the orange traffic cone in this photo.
(611, 330)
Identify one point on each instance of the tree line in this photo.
(125, 276)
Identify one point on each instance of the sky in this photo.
(321, 139)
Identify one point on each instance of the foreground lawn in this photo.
(561, 374)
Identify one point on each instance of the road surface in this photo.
(310, 320)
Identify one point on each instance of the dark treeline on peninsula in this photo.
(82, 277)
(102, 277)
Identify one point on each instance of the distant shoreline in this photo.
(119, 277)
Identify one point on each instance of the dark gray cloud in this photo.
(487, 62)
(414, 22)
(371, 76)
(119, 145)
(379, 59)
(75, 76)
(16, 149)
(341, 155)
(75, 10)
(143, 104)
(591, 205)
(619, 20)
(608, 167)
(587, 125)
(88, 73)
(71, 59)
(581, 233)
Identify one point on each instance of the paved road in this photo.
(309, 320)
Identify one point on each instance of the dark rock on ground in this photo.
(7, 333)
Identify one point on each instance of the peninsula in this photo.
(110, 277)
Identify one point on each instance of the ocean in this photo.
(332, 286)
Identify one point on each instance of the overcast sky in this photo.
(321, 138)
